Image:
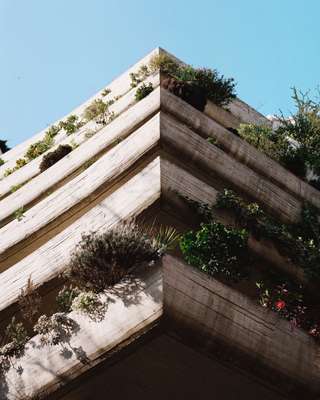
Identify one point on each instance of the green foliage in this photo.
(140, 76)
(217, 250)
(71, 124)
(99, 111)
(164, 63)
(143, 91)
(166, 238)
(41, 146)
(101, 260)
(302, 128)
(300, 242)
(264, 139)
(19, 213)
(1, 162)
(8, 172)
(218, 89)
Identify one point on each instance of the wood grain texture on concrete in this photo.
(31, 169)
(128, 312)
(179, 139)
(119, 86)
(208, 306)
(51, 259)
(108, 167)
(239, 149)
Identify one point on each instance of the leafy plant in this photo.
(139, 76)
(53, 157)
(101, 260)
(164, 63)
(99, 111)
(1, 162)
(217, 250)
(143, 91)
(71, 124)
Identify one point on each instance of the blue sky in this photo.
(55, 54)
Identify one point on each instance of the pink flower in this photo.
(280, 304)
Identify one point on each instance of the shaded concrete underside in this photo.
(164, 368)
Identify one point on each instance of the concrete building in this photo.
(170, 331)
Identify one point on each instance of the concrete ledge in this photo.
(219, 313)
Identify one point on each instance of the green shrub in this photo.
(140, 76)
(217, 250)
(89, 303)
(71, 124)
(143, 91)
(101, 260)
(41, 146)
(54, 156)
(99, 111)
(164, 63)
(1, 162)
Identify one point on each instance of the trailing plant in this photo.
(274, 290)
(300, 242)
(53, 157)
(217, 250)
(143, 91)
(101, 260)
(29, 302)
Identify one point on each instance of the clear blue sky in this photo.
(55, 54)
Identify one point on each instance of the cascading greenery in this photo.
(222, 251)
